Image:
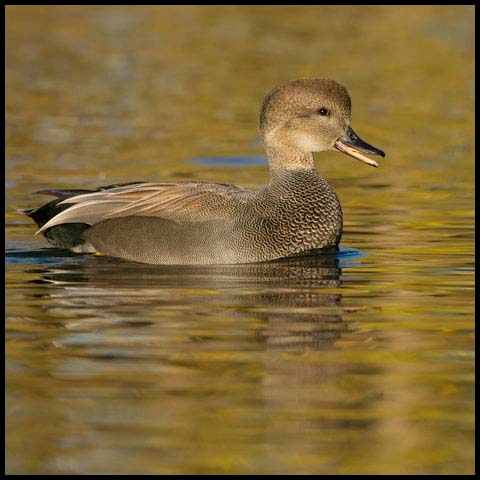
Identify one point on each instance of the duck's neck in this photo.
(285, 160)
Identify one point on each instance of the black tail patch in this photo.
(65, 235)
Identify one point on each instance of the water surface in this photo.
(360, 362)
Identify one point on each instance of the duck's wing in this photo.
(189, 201)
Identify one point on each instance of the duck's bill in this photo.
(353, 145)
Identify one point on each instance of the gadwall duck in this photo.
(297, 213)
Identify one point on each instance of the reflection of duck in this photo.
(290, 301)
(200, 223)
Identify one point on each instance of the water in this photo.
(360, 362)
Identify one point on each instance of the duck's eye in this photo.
(324, 112)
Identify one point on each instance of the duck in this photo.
(198, 223)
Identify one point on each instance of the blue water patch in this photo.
(231, 161)
(349, 257)
(39, 256)
(32, 253)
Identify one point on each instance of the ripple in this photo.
(231, 161)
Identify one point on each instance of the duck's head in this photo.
(312, 115)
